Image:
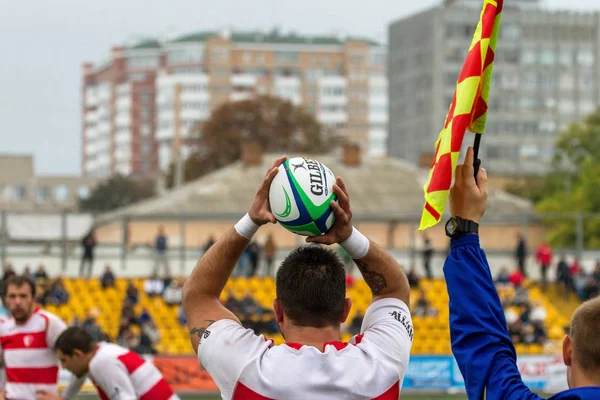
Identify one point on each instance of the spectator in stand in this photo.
(516, 278)
(423, 306)
(521, 295)
(40, 273)
(209, 243)
(592, 288)
(577, 277)
(88, 243)
(108, 278)
(43, 297)
(233, 304)
(356, 323)
(349, 281)
(270, 251)
(427, 256)
(91, 326)
(144, 317)
(503, 278)
(254, 256)
(543, 256)
(27, 272)
(413, 278)
(173, 293)
(181, 316)
(154, 286)
(249, 305)
(131, 294)
(538, 313)
(161, 247)
(563, 275)
(8, 272)
(58, 293)
(521, 254)
(148, 338)
(128, 314)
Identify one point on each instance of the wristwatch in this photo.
(456, 226)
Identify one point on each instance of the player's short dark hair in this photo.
(311, 287)
(585, 326)
(18, 281)
(75, 338)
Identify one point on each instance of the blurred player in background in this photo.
(117, 373)
(27, 339)
(480, 340)
(311, 304)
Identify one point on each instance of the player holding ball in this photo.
(310, 306)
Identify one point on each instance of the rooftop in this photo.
(273, 37)
(380, 189)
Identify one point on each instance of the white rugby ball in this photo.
(300, 196)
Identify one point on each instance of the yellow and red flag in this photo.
(467, 111)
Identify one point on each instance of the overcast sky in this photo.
(43, 44)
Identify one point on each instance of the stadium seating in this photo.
(432, 333)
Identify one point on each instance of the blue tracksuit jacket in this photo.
(480, 341)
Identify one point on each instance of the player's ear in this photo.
(567, 350)
(278, 310)
(347, 307)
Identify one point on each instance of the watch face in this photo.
(451, 226)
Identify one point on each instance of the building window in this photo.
(565, 58)
(287, 56)
(379, 59)
(260, 58)
(548, 57)
(529, 56)
(548, 81)
(61, 193)
(357, 58)
(247, 57)
(219, 54)
(83, 192)
(148, 62)
(585, 58)
(185, 56)
(15, 193)
(43, 194)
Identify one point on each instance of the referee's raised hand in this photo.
(468, 197)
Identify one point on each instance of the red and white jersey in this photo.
(371, 366)
(121, 374)
(29, 359)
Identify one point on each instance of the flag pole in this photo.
(476, 161)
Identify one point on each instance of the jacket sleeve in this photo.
(480, 341)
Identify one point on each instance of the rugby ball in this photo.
(300, 196)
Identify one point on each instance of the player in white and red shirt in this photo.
(27, 339)
(117, 373)
(310, 306)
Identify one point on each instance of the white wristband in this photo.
(357, 245)
(246, 227)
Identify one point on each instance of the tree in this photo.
(117, 191)
(275, 124)
(572, 184)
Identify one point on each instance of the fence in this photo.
(127, 243)
(434, 374)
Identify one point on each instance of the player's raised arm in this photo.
(480, 340)
(202, 289)
(380, 270)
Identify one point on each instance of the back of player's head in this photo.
(311, 287)
(585, 326)
(19, 281)
(75, 338)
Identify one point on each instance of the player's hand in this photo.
(260, 210)
(44, 395)
(468, 198)
(342, 227)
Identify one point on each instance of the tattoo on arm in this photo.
(200, 331)
(375, 280)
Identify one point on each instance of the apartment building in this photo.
(546, 75)
(139, 107)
